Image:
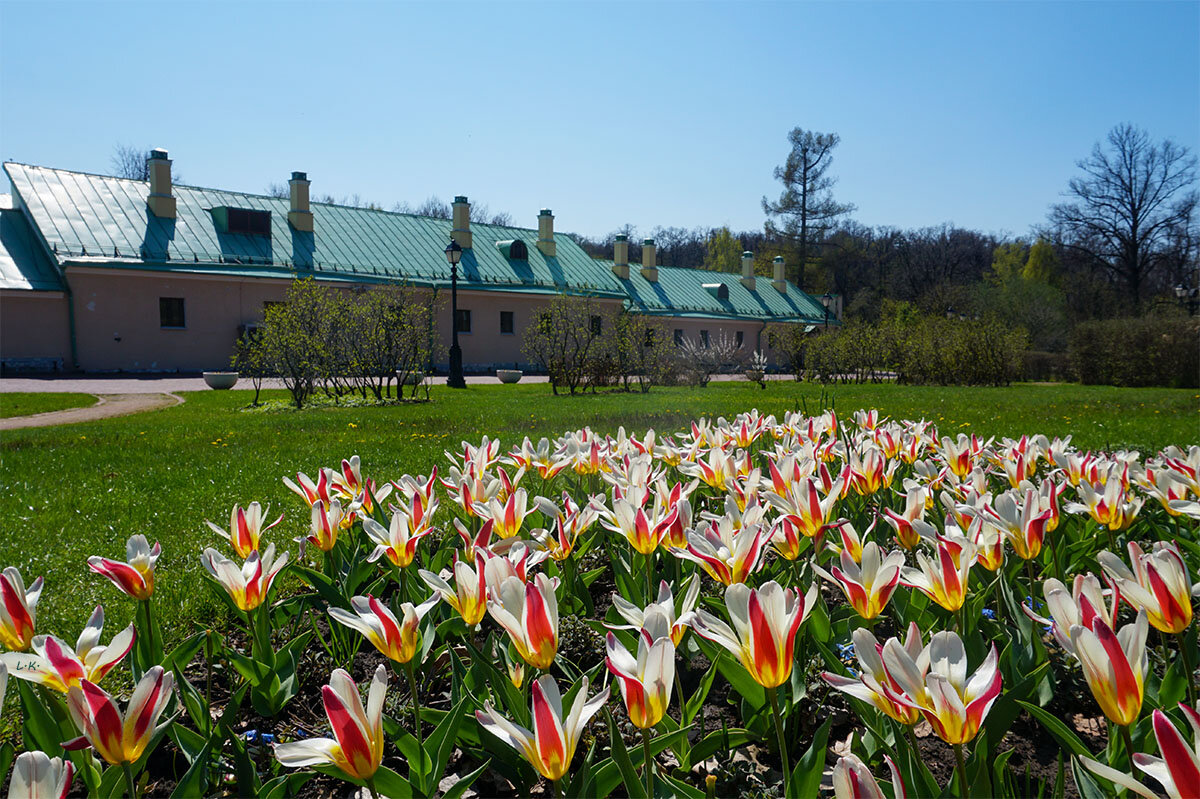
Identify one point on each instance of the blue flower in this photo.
(988, 613)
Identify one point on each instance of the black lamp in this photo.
(455, 378)
(826, 300)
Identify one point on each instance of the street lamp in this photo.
(455, 378)
(826, 300)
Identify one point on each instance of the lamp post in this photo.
(455, 378)
(826, 300)
(1188, 297)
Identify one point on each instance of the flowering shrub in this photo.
(853, 586)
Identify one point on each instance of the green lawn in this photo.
(23, 404)
(84, 489)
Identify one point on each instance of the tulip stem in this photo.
(962, 771)
(649, 577)
(787, 771)
(1128, 741)
(371, 787)
(412, 684)
(1188, 673)
(1029, 574)
(129, 781)
(149, 633)
(647, 763)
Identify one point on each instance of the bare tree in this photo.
(806, 210)
(130, 162)
(1125, 209)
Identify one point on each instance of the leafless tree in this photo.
(805, 211)
(130, 162)
(1133, 196)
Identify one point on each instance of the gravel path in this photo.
(109, 405)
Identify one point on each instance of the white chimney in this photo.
(650, 261)
(461, 231)
(621, 256)
(161, 201)
(748, 270)
(779, 281)
(300, 216)
(545, 241)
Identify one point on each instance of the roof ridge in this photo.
(267, 196)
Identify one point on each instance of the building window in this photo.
(739, 338)
(771, 340)
(506, 322)
(170, 312)
(597, 325)
(463, 321)
(268, 305)
(678, 337)
(252, 222)
(650, 333)
(704, 338)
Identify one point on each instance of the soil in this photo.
(107, 406)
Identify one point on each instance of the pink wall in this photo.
(33, 324)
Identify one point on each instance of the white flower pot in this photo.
(509, 375)
(221, 380)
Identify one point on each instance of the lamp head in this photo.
(453, 252)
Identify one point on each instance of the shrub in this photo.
(718, 356)
(567, 345)
(1150, 351)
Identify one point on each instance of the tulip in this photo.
(936, 684)
(1114, 665)
(945, 582)
(480, 458)
(646, 680)
(120, 739)
(765, 621)
(873, 676)
(960, 455)
(850, 539)
(395, 640)
(1178, 770)
(507, 515)
(398, 541)
(551, 744)
(1159, 584)
(469, 489)
(248, 586)
(59, 667)
(357, 746)
(135, 577)
(529, 614)
(1109, 506)
(36, 775)
(1081, 606)
(468, 597)
(348, 482)
(1023, 526)
(677, 624)
(870, 470)
(539, 458)
(569, 523)
(17, 609)
(309, 491)
(729, 555)
(868, 587)
(853, 780)
(902, 523)
(245, 528)
(804, 507)
(326, 524)
(631, 520)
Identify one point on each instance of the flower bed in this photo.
(783, 606)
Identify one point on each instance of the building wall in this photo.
(754, 335)
(34, 325)
(117, 318)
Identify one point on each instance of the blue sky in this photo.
(643, 113)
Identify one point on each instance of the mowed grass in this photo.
(80, 490)
(25, 404)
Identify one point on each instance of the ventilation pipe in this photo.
(621, 256)
(461, 232)
(649, 261)
(300, 216)
(545, 241)
(161, 201)
(748, 270)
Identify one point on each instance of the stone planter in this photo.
(509, 375)
(221, 380)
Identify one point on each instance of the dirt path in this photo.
(108, 405)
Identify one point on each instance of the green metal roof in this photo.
(87, 219)
(23, 262)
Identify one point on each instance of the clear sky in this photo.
(609, 113)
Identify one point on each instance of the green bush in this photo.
(1150, 351)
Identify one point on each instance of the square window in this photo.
(170, 312)
(463, 321)
(506, 322)
(704, 338)
(678, 337)
(650, 337)
(597, 325)
(739, 338)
